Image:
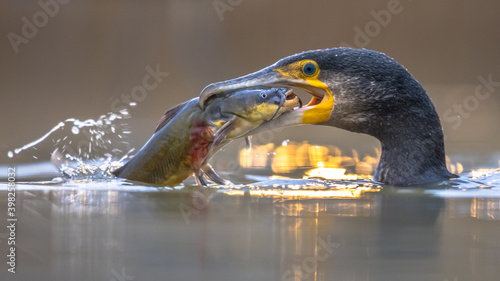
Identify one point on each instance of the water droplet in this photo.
(10, 154)
(75, 130)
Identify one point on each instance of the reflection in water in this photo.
(480, 208)
(237, 234)
(292, 188)
(92, 243)
(368, 233)
(308, 230)
(338, 193)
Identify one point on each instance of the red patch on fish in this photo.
(201, 140)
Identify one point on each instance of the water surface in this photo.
(113, 230)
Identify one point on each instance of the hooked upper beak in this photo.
(273, 78)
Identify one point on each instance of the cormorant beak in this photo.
(317, 110)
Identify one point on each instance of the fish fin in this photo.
(248, 142)
(198, 176)
(222, 133)
(168, 115)
(213, 176)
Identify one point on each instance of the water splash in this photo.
(75, 169)
(32, 144)
(84, 150)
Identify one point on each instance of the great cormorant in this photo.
(362, 91)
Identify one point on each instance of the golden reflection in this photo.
(326, 162)
(334, 193)
(302, 156)
(284, 158)
(318, 154)
(297, 191)
(326, 173)
(316, 161)
(256, 157)
(334, 174)
(235, 192)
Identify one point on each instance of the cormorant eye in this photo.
(309, 69)
(263, 95)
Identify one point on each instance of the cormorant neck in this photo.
(412, 152)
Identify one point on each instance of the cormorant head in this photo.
(306, 70)
(355, 89)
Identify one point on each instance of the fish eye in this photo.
(263, 95)
(309, 69)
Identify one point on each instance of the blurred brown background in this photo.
(85, 54)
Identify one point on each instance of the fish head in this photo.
(259, 105)
(245, 110)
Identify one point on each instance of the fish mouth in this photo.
(317, 110)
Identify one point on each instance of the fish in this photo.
(187, 136)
